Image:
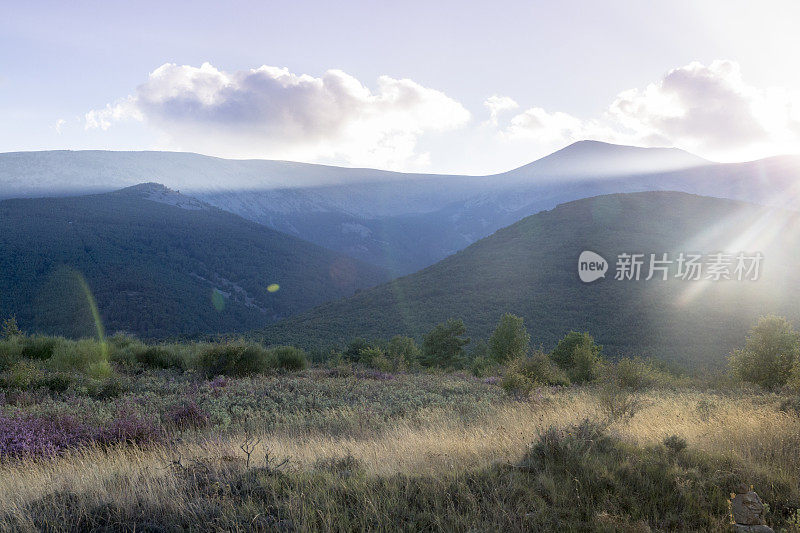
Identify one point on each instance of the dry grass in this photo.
(749, 428)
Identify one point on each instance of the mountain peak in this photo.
(157, 192)
(602, 159)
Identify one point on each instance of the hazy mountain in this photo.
(530, 269)
(403, 222)
(158, 263)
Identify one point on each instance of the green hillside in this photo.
(530, 269)
(158, 264)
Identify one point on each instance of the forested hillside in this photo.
(530, 269)
(158, 264)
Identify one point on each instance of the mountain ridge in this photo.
(530, 269)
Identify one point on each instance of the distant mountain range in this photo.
(531, 269)
(401, 222)
(158, 264)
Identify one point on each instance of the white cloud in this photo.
(271, 112)
(59, 125)
(708, 110)
(497, 104)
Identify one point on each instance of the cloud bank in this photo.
(271, 112)
(705, 109)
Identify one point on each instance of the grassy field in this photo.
(348, 449)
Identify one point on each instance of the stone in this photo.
(741, 528)
(748, 511)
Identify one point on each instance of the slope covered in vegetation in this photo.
(157, 263)
(531, 270)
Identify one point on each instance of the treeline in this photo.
(770, 357)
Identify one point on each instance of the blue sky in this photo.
(471, 87)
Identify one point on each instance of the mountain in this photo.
(401, 222)
(530, 269)
(158, 263)
(598, 159)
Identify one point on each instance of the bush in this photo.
(510, 339)
(23, 375)
(9, 328)
(579, 356)
(39, 347)
(675, 444)
(78, 355)
(233, 359)
(10, 352)
(617, 403)
(403, 352)
(161, 357)
(769, 354)
(353, 351)
(636, 374)
(369, 355)
(525, 373)
(288, 358)
(482, 367)
(188, 415)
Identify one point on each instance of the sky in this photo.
(445, 87)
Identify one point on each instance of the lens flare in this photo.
(273, 287)
(218, 300)
(98, 323)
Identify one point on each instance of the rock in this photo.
(747, 509)
(741, 528)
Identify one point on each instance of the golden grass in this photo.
(749, 428)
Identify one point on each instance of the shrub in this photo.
(635, 374)
(579, 356)
(288, 358)
(188, 414)
(403, 352)
(675, 444)
(106, 389)
(36, 436)
(161, 357)
(23, 375)
(368, 355)
(482, 366)
(39, 347)
(525, 373)
(769, 354)
(509, 340)
(78, 355)
(444, 345)
(128, 427)
(353, 351)
(9, 328)
(617, 403)
(10, 352)
(57, 381)
(235, 358)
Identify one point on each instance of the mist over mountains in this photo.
(401, 222)
(530, 269)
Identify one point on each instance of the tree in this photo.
(354, 349)
(403, 352)
(444, 345)
(579, 356)
(770, 351)
(10, 328)
(510, 339)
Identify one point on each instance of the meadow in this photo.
(168, 438)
